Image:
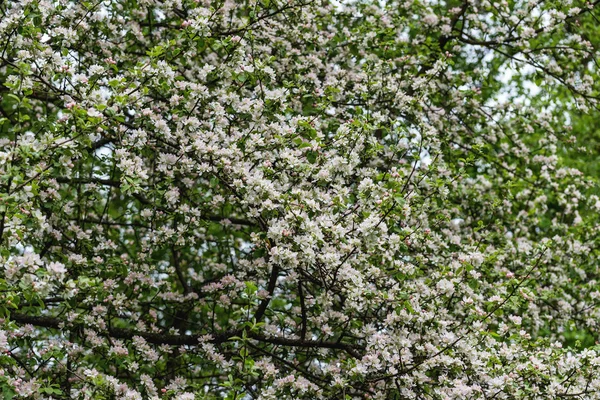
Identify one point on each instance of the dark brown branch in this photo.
(142, 199)
(303, 311)
(179, 272)
(262, 307)
(187, 340)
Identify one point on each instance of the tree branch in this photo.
(50, 322)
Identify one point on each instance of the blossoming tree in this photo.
(298, 199)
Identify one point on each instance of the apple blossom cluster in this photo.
(298, 199)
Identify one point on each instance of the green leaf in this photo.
(251, 287)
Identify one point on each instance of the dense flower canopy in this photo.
(299, 199)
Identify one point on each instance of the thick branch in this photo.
(188, 340)
(142, 199)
